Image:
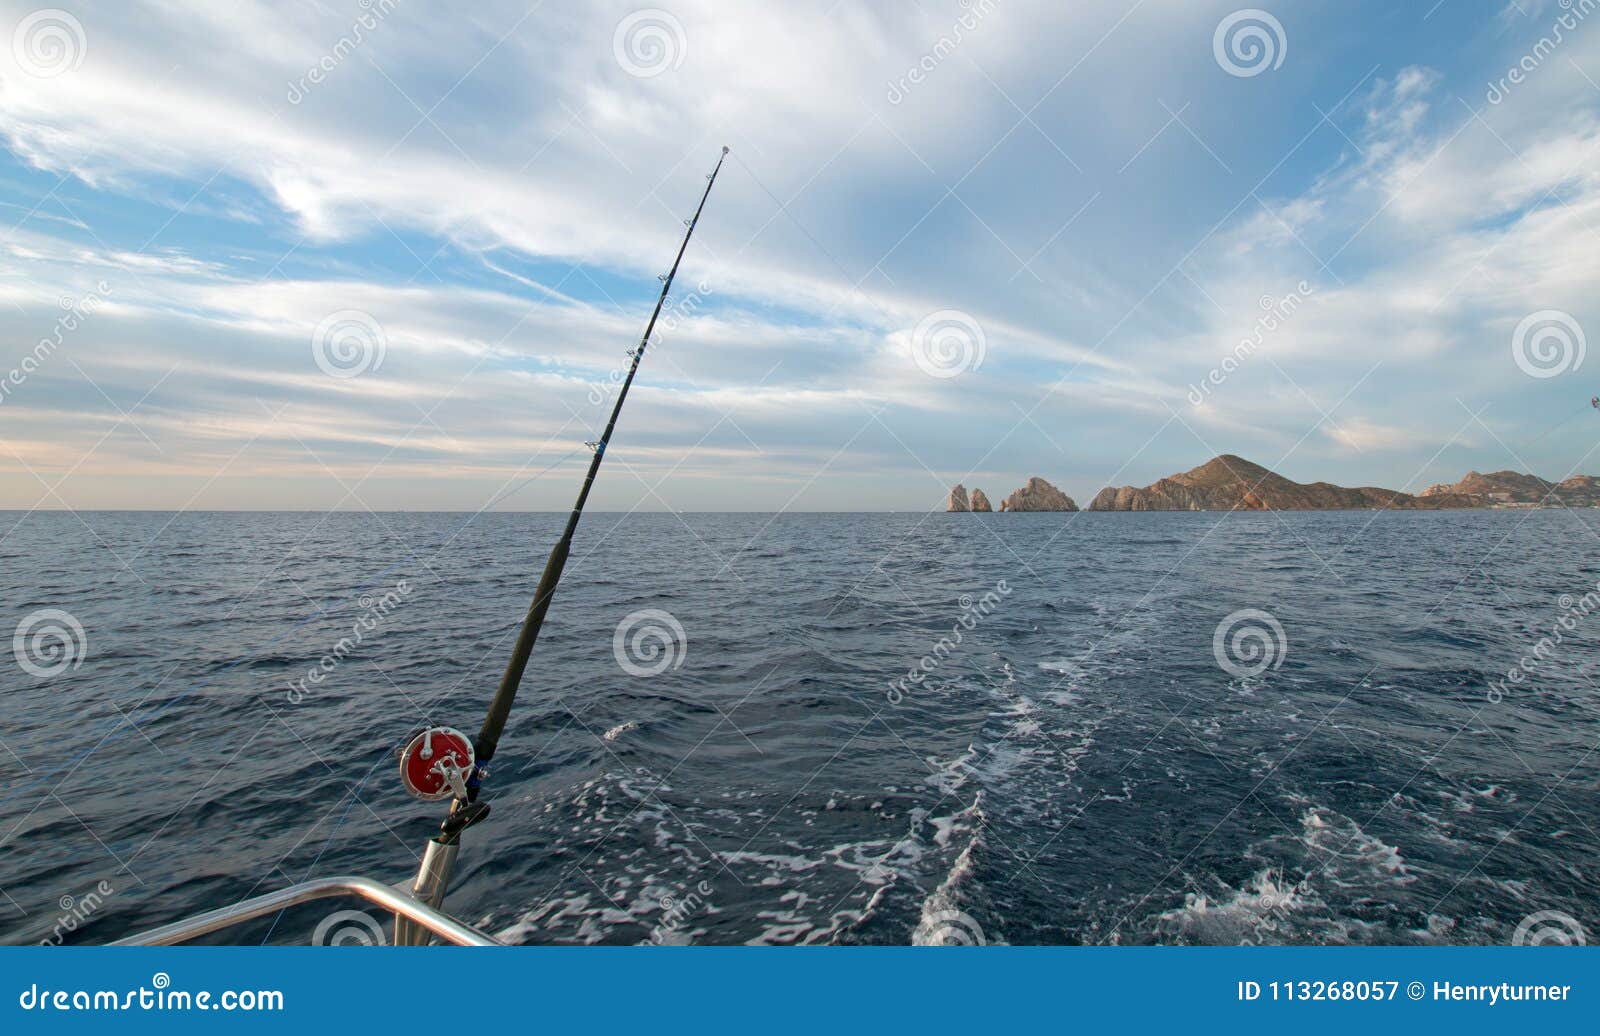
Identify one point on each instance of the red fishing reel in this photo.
(436, 764)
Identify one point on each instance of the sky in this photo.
(373, 255)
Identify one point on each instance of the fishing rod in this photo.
(440, 762)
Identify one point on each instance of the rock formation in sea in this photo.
(1038, 495)
(1229, 482)
(1580, 487)
(958, 500)
(1515, 487)
(980, 503)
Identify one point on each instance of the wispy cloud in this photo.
(495, 191)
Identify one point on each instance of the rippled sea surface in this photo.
(1075, 765)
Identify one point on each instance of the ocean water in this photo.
(1075, 766)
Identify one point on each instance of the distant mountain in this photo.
(1581, 484)
(1229, 483)
(1503, 487)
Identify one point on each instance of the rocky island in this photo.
(1037, 495)
(1231, 483)
(1512, 488)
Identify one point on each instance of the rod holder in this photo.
(433, 878)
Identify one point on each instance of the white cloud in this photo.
(550, 180)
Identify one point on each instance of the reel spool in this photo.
(436, 763)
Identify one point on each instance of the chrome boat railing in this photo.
(402, 903)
